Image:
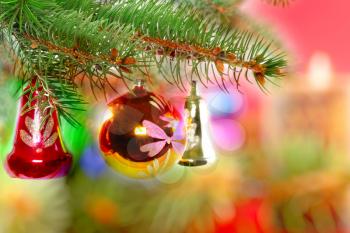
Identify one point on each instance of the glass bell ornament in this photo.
(144, 135)
(199, 150)
(38, 151)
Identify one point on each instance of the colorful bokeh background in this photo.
(283, 163)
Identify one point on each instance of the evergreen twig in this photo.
(57, 40)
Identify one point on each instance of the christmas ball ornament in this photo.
(144, 136)
(38, 152)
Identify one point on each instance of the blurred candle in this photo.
(320, 71)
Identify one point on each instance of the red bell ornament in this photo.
(144, 135)
(38, 151)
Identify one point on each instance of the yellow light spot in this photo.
(140, 130)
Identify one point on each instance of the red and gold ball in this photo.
(144, 135)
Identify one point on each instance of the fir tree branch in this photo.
(122, 36)
(228, 12)
(57, 90)
(161, 21)
(54, 88)
(141, 15)
(223, 10)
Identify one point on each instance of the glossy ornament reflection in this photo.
(144, 135)
(38, 151)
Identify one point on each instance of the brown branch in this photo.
(220, 9)
(216, 7)
(214, 54)
(81, 56)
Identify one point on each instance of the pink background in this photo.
(309, 26)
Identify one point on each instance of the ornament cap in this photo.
(139, 82)
(139, 88)
(194, 92)
(193, 88)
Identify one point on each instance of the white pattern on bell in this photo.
(36, 127)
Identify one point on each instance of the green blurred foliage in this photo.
(76, 138)
(8, 109)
